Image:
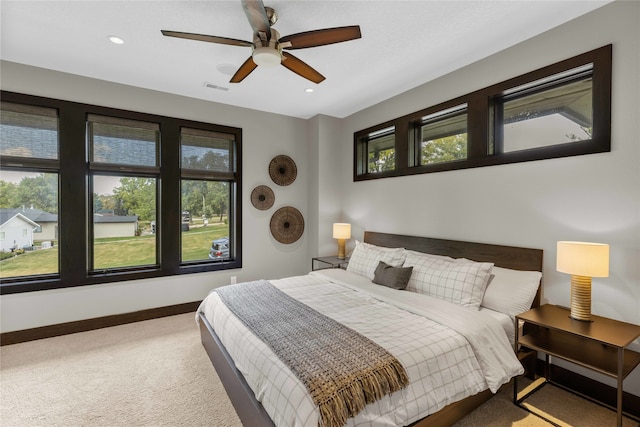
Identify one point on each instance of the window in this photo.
(29, 191)
(560, 110)
(208, 168)
(442, 137)
(103, 195)
(376, 150)
(124, 206)
(548, 112)
(123, 209)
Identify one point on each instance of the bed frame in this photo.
(252, 413)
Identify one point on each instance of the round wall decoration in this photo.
(283, 170)
(287, 225)
(262, 197)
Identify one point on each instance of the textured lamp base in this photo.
(581, 298)
(341, 248)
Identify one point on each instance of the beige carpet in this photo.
(156, 373)
(153, 373)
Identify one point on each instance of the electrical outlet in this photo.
(234, 280)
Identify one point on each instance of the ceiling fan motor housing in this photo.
(267, 53)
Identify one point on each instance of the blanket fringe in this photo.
(352, 397)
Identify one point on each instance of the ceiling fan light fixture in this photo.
(266, 56)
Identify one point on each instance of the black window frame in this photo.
(484, 126)
(433, 115)
(74, 213)
(366, 137)
(214, 175)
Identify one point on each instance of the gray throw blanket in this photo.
(342, 370)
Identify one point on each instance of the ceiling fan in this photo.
(268, 46)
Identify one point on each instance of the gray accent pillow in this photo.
(392, 277)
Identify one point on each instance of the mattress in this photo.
(449, 352)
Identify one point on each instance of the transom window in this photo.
(442, 137)
(377, 150)
(560, 110)
(548, 112)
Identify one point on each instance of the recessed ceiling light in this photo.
(116, 40)
(309, 90)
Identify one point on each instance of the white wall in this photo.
(264, 135)
(114, 229)
(534, 204)
(17, 233)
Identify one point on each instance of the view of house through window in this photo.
(124, 206)
(29, 217)
(109, 195)
(28, 196)
(124, 214)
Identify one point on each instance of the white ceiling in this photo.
(403, 44)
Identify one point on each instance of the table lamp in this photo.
(341, 231)
(583, 260)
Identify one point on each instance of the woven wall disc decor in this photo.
(262, 197)
(287, 225)
(283, 170)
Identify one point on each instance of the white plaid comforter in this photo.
(449, 352)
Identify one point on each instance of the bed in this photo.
(508, 265)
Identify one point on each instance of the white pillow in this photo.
(462, 283)
(511, 291)
(365, 258)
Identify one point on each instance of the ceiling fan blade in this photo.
(245, 69)
(257, 16)
(321, 37)
(206, 38)
(301, 68)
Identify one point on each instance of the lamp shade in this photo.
(583, 259)
(341, 230)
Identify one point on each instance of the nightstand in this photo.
(599, 345)
(328, 262)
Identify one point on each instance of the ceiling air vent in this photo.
(212, 86)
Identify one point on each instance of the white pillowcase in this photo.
(462, 283)
(365, 258)
(511, 291)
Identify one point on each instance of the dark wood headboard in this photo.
(512, 257)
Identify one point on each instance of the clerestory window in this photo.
(560, 110)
